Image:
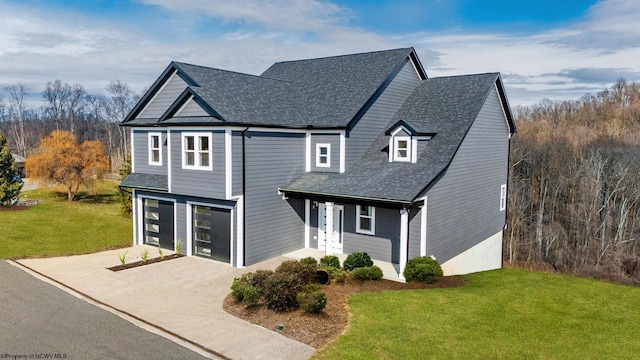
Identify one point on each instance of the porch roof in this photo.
(146, 181)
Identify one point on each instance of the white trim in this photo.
(228, 163)
(318, 155)
(401, 128)
(134, 211)
(196, 151)
(133, 168)
(343, 152)
(373, 221)
(169, 160)
(240, 232)
(150, 148)
(308, 152)
(414, 150)
(307, 222)
(328, 228)
(415, 68)
(183, 105)
(190, 205)
(404, 239)
(157, 93)
(334, 249)
(423, 228)
(503, 197)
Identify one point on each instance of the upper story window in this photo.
(365, 220)
(323, 155)
(196, 151)
(503, 197)
(401, 148)
(155, 149)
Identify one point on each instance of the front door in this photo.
(338, 225)
(158, 223)
(212, 232)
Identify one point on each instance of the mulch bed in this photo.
(318, 330)
(14, 208)
(148, 262)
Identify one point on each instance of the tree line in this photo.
(574, 185)
(70, 108)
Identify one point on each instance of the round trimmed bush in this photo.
(423, 269)
(309, 261)
(252, 295)
(330, 260)
(238, 286)
(357, 259)
(281, 290)
(367, 273)
(305, 272)
(312, 301)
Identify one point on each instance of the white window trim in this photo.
(503, 197)
(197, 136)
(373, 221)
(318, 156)
(150, 153)
(397, 158)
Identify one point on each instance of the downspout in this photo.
(244, 199)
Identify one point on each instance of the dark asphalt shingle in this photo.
(146, 181)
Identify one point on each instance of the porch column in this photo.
(328, 228)
(404, 240)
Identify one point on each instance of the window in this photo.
(401, 148)
(155, 150)
(196, 151)
(503, 197)
(323, 155)
(365, 220)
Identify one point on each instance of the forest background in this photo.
(574, 177)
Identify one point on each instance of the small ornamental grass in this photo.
(423, 269)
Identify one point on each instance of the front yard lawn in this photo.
(59, 227)
(502, 314)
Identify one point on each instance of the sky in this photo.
(559, 50)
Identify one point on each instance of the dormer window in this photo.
(405, 143)
(402, 148)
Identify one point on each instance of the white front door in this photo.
(336, 238)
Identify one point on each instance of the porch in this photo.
(389, 271)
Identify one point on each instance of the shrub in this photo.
(330, 260)
(238, 286)
(357, 259)
(309, 261)
(281, 290)
(337, 274)
(305, 272)
(367, 273)
(423, 269)
(252, 295)
(312, 301)
(259, 278)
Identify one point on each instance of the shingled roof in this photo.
(446, 106)
(325, 92)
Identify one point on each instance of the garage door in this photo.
(158, 223)
(212, 232)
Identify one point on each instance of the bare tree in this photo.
(17, 110)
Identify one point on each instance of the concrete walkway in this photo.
(180, 299)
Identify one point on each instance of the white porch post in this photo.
(404, 239)
(329, 228)
(307, 219)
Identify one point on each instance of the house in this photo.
(360, 152)
(19, 160)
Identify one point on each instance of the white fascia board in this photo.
(504, 113)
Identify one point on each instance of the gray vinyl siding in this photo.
(464, 205)
(236, 163)
(414, 232)
(193, 182)
(380, 113)
(273, 226)
(164, 98)
(384, 245)
(141, 153)
(334, 141)
(191, 109)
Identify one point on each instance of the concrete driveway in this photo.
(41, 321)
(180, 299)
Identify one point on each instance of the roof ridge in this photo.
(343, 55)
(463, 75)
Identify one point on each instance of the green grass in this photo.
(502, 314)
(59, 227)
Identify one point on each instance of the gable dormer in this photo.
(405, 142)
